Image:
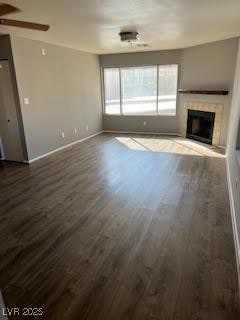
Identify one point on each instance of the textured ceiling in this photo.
(93, 25)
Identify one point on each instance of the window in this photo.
(139, 90)
(112, 91)
(148, 90)
(167, 89)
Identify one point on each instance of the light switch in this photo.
(26, 101)
(43, 52)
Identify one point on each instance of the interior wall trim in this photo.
(61, 148)
(144, 132)
(234, 222)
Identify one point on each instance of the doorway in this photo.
(10, 138)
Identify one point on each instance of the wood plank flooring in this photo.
(119, 227)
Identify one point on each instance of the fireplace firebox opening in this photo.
(200, 125)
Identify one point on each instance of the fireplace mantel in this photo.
(210, 92)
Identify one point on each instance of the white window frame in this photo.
(121, 114)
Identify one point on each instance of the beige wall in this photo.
(209, 66)
(163, 124)
(63, 88)
(232, 164)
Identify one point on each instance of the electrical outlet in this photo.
(63, 135)
(144, 123)
(87, 127)
(75, 131)
(26, 101)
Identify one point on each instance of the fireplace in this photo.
(200, 125)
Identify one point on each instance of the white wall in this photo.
(63, 88)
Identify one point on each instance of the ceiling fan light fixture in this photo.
(128, 36)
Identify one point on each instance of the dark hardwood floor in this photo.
(119, 228)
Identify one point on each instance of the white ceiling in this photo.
(93, 25)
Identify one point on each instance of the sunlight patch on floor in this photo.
(176, 145)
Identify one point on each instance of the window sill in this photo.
(140, 115)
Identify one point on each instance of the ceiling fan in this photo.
(7, 9)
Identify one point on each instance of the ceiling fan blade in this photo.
(24, 24)
(7, 8)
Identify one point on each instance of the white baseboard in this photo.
(234, 222)
(61, 148)
(139, 132)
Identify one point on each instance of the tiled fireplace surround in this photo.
(217, 108)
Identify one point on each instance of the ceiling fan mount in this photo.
(128, 36)
(8, 9)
